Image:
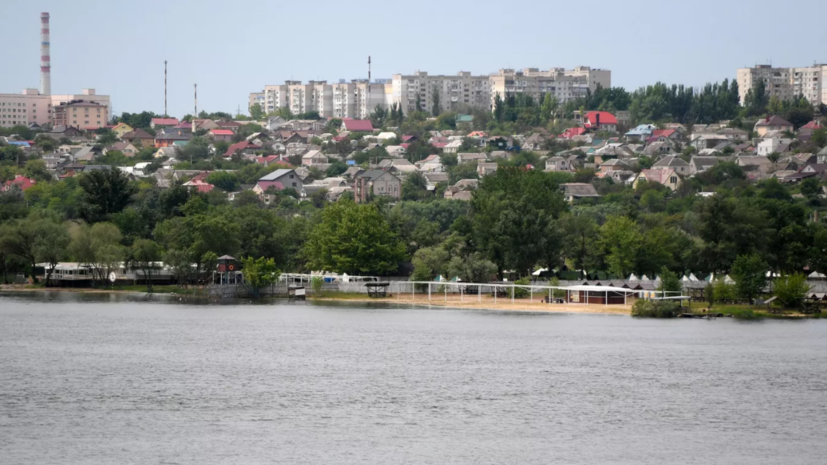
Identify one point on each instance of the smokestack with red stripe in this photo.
(45, 59)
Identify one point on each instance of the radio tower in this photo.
(45, 59)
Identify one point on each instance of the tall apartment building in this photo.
(537, 84)
(785, 83)
(454, 91)
(357, 99)
(256, 97)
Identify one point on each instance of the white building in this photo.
(785, 83)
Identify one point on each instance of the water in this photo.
(121, 380)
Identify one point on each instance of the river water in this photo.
(100, 379)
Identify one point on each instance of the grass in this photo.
(749, 312)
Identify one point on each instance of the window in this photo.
(673, 180)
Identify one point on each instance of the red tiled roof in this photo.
(184, 125)
(478, 134)
(571, 132)
(164, 121)
(221, 132)
(663, 132)
(359, 125)
(605, 118)
(20, 181)
(815, 124)
(238, 146)
(264, 185)
(228, 124)
(773, 120)
(407, 138)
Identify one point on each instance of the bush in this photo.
(791, 290)
(724, 293)
(316, 284)
(520, 293)
(656, 309)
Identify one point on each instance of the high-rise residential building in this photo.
(358, 98)
(256, 97)
(785, 83)
(536, 84)
(25, 108)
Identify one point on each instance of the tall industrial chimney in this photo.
(45, 59)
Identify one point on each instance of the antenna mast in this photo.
(165, 88)
(196, 102)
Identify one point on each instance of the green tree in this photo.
(436, 109)
(749, 272)
(621, 239)
(354, 239)
(21, 238)
(259, 273)
(224, 180)
(256, 112)
(669, 282)
(105, 192)
(709, 294)
(810, 188)
(50, 245)
(146, 254)
(792, 290)
(415, 187)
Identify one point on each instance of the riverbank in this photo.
(94, 290)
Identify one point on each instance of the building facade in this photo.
(785, 83)
(81, 114)
(25, 108)
(357, 98)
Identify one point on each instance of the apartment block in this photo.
(785, 83)
(454, 91)
(537, 84)
(358, 98)
(81, 114)
(256, 97)
(25, 108)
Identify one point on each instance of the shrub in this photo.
(520, 293)
(656, 309)
(316, 284)
(724, 293)
(791, 290)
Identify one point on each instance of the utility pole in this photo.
(195, 115)
(367, 97)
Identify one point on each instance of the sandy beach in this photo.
(473, 302)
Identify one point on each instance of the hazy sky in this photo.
(231, 48)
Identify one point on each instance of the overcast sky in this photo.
(231, 48)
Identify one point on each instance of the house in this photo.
(772, 123)
(232, 125)
(578, 190)
(484, 169)
(201, 125)
(169, 136)
(640, 133)
(666, 177)
(707, 141)
(224, 135)
(600, 121)
(534, 142)
(168, 152)
(376, 183)
(199, 185)
(434, 178)
(383, 136)
(614, 164)
(672, 134)
(19, 181)
(139, 137)
(353, 172)
(316, 159)
(755, 166)
(699, 164)
(120, 129)
(357, 125)
(817, 171)
(274, 123)
(85, 154)
(158, 123)
(478, 135)
(430, 163)
(124, 147)
(397, 165)
(558, 164)
(773, 145)
(498, 142)
(674, 163)
(462, 190)
(452, 147)
(469, 157)
(396, 151)
(243, 148)
(570, 133)
(734, 134)
(279, 180)
(267, 160)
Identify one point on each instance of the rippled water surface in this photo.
(122, 380)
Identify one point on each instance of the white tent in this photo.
(686, 279)
(692, 277)
(539, 272)
(632, 277)
(644, 278)
(728, 280)
(817, 275)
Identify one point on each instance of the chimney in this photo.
(597, 119)
(768, 119)
(45, 59)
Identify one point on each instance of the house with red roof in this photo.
(244, 147)
(157, 123)
(815, 124)
(20, 181)
(572, 132)
(199, 185)
(225, 135)
(600, 121)
(667, 177)
(357, 125)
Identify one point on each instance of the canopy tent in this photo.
(692, 277)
